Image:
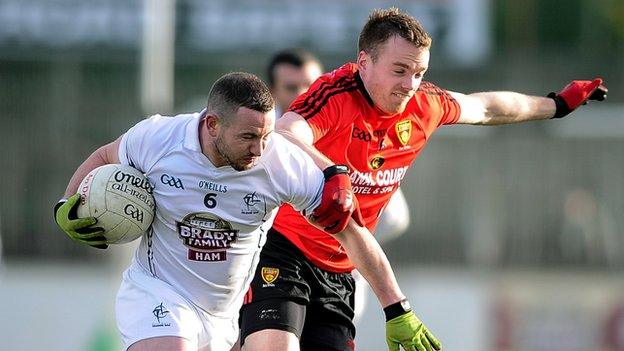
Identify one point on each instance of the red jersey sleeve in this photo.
(320, 106)
(446, 109)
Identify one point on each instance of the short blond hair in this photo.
(383, 24)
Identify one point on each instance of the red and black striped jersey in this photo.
(378, 148)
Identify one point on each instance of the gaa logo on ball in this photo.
(120, 198)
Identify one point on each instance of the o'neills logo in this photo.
(142, 183)
(207, 236)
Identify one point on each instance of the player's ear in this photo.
(212, 124)
(362, 60)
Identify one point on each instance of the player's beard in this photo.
(223, 150)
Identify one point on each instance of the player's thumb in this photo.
(72, 200)
(596, 82)
(393, 346)
(593, 85)
(598, 90)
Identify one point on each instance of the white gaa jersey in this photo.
(210, 222)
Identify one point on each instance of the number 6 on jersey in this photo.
(210, 201)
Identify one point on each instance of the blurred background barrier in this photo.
(70, 307)
(490, 200)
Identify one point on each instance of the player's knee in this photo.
(271, 340)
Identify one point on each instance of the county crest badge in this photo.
(269, 274)
(404, 131)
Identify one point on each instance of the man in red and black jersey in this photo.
(374, 116)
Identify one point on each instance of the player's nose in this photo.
(257, 148)
(410, 83)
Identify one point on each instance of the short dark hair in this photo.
(385, 23)
(239, 89)
(297, 57)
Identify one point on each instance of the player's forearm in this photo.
(104, 155)
(370, 260)
(510, 107)
(321, 160)
(93, 161)
(296, 129)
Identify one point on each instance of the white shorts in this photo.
(147, 307)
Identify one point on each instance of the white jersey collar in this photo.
(191, 138)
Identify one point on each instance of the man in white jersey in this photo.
(173, 296)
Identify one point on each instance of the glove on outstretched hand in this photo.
(79, 229)
(576, 94)
(338, 203)
(408, 331)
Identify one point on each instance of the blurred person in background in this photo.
(290, 73)
(374, 115)
(174, 296)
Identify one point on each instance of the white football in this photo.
(121, 199)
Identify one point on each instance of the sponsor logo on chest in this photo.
(207, 236)
(377, 182)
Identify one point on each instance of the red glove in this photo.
(576, 94)
(338, 203)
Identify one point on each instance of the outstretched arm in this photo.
(492, 108)
(369, 258)
(402, 325)
(502, 107)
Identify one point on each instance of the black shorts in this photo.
(289, 293)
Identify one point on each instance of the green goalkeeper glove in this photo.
(407, 330)
(79, 229)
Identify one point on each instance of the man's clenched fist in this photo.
(79, 229)
(338, 203)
